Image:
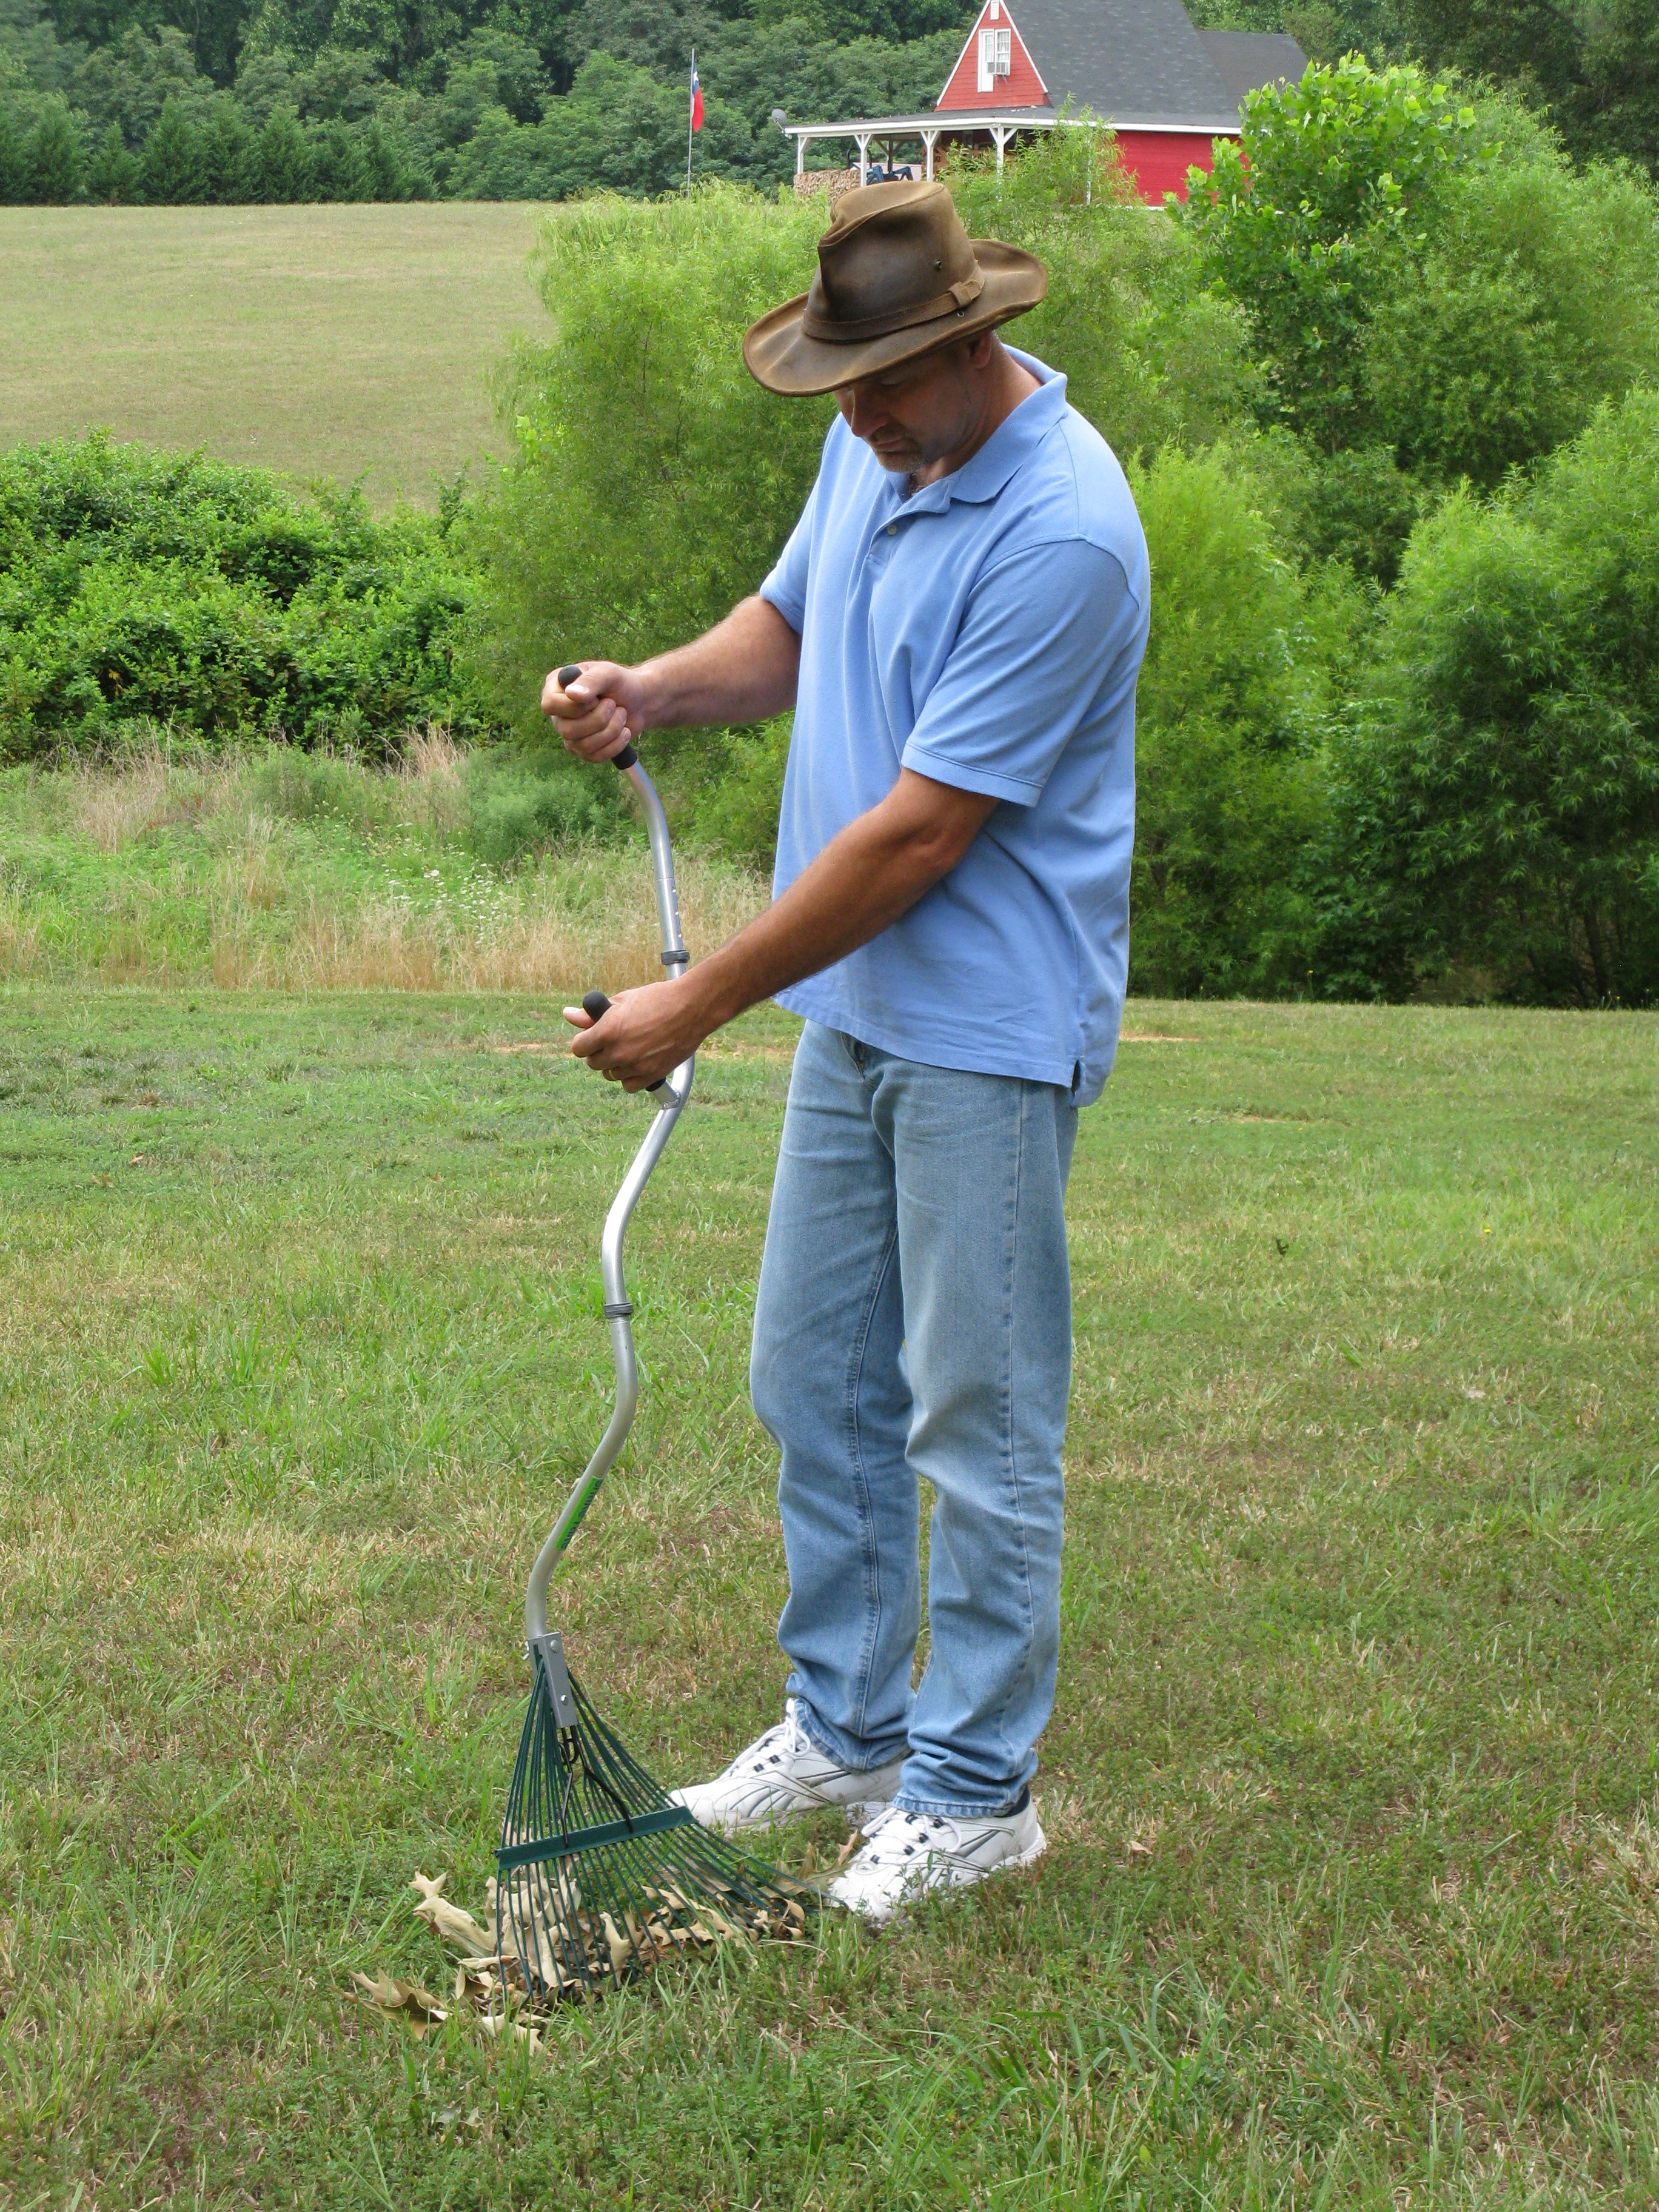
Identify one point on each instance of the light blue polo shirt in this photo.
(986, 632)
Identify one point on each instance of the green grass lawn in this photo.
(1353, 1893)
(339, 341)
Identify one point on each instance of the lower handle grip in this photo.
(627, 756)
(594, 1004)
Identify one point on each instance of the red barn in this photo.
(1166, 88)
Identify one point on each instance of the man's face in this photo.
(922, 412)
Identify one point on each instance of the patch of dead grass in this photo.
(593, 920)
(116, 801)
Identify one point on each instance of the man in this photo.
(958, 622)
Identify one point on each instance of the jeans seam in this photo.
(1020, 1674)
(867, 1517)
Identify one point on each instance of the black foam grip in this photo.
(568, 674)
(594, 1003)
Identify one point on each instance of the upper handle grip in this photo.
(594, 1003)
(625, 759)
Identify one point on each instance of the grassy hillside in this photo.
(350, 341)
(1353, 1896)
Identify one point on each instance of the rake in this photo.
(600, 1877)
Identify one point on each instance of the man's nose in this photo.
(867, 413)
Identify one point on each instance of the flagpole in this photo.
(690, 110)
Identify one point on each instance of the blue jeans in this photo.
(915, 1318)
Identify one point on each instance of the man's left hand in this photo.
(642, 1037)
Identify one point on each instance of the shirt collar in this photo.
(1009, 447)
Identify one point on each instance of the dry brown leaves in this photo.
(543, 1931)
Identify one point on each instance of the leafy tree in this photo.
(1498, 792)
(895, 23)
(1593, 65)
(213, 28)
(173, 170)
(130, 81)
(1308, 218)
(1615, 108)
(227, 154)
(1228, 739)
(283, 169)
(1536, 297)
(340, 82)
(265, 82)
(57, 159)
(112, 172)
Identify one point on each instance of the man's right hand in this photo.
(741, 670)
(599, 711)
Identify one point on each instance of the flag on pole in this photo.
(697, 97)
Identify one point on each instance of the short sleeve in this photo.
(1038, 638)
(786, 587)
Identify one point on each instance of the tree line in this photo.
(600, 102)
(225, 101)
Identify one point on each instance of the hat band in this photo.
(838, 332)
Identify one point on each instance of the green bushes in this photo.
(137, 588)
(1231, 716)
(1433, 293)
(1498, 792)
(655, 482)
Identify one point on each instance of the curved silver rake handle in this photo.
(671, 1096)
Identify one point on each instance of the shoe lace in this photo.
(887, 1832)
(786, 1739)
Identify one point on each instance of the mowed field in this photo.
(346, 341)
(1353, 1891)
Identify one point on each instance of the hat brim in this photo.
(780, 356)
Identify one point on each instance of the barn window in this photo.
(995, 56)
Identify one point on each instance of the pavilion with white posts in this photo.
(886, 131)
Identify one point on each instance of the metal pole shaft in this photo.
(671, 1103)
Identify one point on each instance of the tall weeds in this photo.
(273, 870)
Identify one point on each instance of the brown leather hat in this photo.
(897, 276)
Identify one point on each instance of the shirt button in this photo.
(892, 530)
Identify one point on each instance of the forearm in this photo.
(866, 877)
(742, 671)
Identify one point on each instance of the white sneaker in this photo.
(780, 1776)
(907, 1853)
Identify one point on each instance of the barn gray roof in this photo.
(1246, 60)
(1140, 62)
